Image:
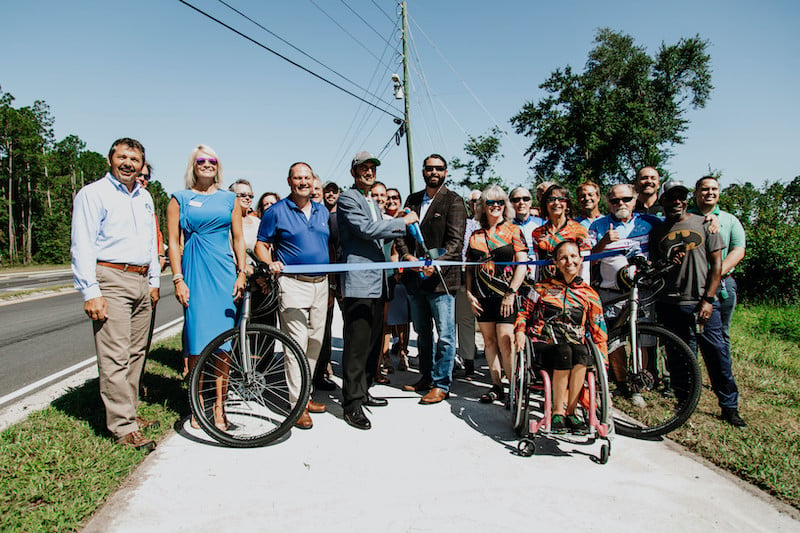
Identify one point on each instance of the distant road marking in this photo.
(74, 368)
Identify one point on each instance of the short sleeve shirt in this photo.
(297, 240)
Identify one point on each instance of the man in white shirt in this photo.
(115, 266)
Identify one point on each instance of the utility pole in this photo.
(406, 82)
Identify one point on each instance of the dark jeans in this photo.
(325, 352)
(716, 352)
(363, 325)
(727, 306)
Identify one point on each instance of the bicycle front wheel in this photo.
(665, 393)
(248, 403)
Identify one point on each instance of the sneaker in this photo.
(731, 416)
(557, 424)
(137, 441)
(576, 425)
(494, 394)
(638, 401)
(459, 362)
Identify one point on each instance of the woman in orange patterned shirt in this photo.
(565, 307)
(492, 288)
(556, 206)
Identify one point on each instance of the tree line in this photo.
(39, 177)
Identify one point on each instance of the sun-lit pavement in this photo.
(445, 467)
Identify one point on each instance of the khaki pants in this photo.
(303, 308)
(120, 342)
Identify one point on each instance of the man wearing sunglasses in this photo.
(431, 295)
(624, 230)
(688, 305)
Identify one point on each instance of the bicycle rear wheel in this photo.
(256, 404)
(648, 406)
(520, 391)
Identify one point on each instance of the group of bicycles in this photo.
(654, 389)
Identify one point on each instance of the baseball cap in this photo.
(670, 186)
(363, 157)
(330, 185)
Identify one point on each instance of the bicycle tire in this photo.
(257, 405)
(667, 405)
(520, 391)
(602, 390)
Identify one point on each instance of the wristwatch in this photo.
(708, 299)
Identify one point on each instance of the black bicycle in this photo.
(244, 373)
(656, 378)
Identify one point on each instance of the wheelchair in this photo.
(532, 403)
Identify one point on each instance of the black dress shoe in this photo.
(357, 419)
(372, 401)
(732, 417)
(423, 385)
(324, 384)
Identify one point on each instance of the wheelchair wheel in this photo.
(520, 390)
(256, 403)
(647, 405)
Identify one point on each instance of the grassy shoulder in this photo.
(59, 466)
(766, 362)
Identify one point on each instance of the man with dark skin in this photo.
(688, 305)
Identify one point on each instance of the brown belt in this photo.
(125, 267)
(309, 279)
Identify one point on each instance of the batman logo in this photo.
(680, 238)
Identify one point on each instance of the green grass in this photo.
(26, 292)
(766, 363)
(58, 466)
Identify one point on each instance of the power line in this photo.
(344, 30)
(342, 76)
(268, 49)
(365, 22)
(393, 21)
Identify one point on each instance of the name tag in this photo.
(195, 203)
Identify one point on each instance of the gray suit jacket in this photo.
(361, 240)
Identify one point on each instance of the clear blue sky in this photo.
(160, 72)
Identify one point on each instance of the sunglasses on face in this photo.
(615, 201)
(519, 199)
(392, 197)
(554, 199)
(244, 195)
(431, 168)
(493, 203)
(203, 161)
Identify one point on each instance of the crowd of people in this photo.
(117, 256)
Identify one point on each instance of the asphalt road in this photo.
(41, 337)
(22, 281)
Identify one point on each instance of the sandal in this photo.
(495, 394)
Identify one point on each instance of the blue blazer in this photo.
(361, 239)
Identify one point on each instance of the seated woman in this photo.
(556, 316)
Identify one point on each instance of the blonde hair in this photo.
(493, 192)
(189, 177)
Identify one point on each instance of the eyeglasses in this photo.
(145, 177)
(244, 195)
(492, 203)
(521, 199)
(392, 197)
(431, 168)
(625, 199)
(203, 161)
(554, 199)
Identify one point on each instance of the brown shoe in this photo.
(304, 422)
(145, 424)
(435, 395)
(314, 407)
(137, 441)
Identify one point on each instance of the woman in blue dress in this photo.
(207, 280)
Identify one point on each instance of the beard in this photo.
(622, 212)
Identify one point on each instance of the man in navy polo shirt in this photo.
(297, 230)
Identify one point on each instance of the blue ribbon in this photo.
(391, 265)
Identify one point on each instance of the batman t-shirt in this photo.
(686, 284)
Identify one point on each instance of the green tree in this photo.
(624, 111)
(483, 152)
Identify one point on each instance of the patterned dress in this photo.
(546, 238)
